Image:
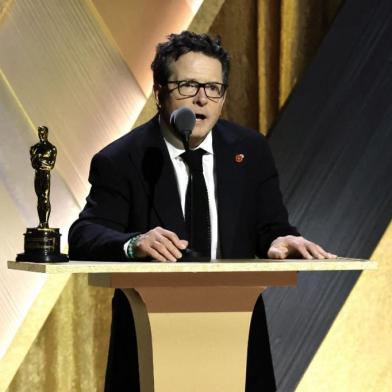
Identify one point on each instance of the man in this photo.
(137, 207)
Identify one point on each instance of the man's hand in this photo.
(160, 244)
(292, 246)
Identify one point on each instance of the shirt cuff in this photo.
(126, 248)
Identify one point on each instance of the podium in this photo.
(192, 319)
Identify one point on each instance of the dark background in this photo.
(333, 149)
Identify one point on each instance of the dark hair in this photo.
(187, 41)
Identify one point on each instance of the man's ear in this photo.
(222, 100)
(157, 90)
(224, 97)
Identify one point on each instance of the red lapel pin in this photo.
(239, 158)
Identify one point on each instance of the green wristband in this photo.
(131, 246)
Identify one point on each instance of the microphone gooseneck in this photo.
(183, 121)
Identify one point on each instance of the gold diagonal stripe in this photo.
(356, 354)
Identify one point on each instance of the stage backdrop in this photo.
(80, 68)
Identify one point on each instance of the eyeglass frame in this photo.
(224, 86)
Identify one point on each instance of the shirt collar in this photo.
(175, 146)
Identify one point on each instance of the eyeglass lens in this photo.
(191, 88)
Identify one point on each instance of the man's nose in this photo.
(201, 97)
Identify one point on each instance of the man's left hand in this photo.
(293, 247)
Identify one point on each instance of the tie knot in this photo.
(193, 159)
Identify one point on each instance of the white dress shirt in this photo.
(175, 149)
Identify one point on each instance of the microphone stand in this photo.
(185, 135)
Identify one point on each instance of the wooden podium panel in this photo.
(198, 316)
(192, 319)
(196, 291)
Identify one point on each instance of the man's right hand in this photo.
(160, 244)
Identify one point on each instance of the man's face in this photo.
(194, 66)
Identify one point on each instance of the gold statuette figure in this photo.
(42, 244)
(43, 157)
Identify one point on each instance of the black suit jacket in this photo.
(134, 189)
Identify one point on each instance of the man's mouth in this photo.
(200, 116)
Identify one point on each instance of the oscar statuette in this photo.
(42, 243)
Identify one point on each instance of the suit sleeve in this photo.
(101, 230)
(272, 215)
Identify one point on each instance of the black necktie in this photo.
(197, 213)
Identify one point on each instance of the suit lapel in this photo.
(229, 175)
(159, 180)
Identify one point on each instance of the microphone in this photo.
(183, 121)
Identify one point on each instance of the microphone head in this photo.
(183, 121)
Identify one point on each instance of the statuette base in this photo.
(42, 245)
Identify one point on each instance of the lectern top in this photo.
(226, 265)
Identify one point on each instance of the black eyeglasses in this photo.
(190, 88)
